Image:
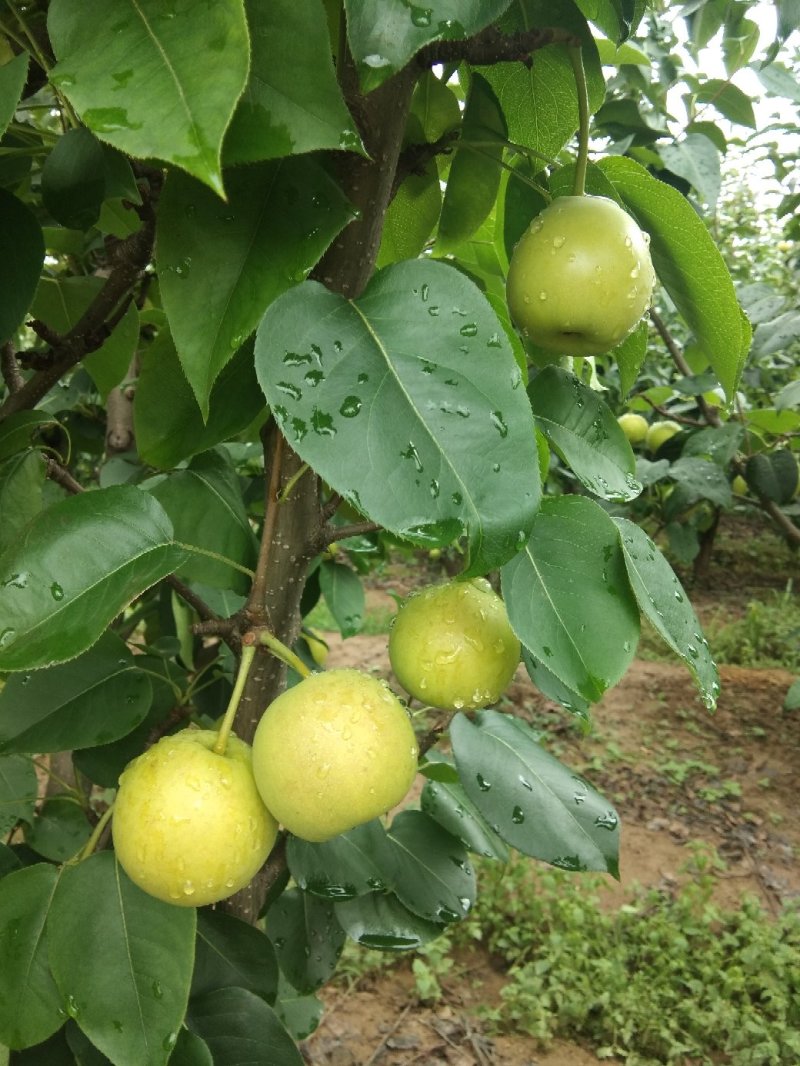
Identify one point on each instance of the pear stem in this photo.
(576, 58)
(286, 655)
(97, 832)
(246, 661)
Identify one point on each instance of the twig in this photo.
(491, 46)
(380, 1048)
(711, 416)
(58, 473)
(194, 601)
(329, 534)
(10, 368)
(255, 607)
(415, 158)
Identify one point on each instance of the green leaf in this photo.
(109, 365)
(538, 805)
(231, 952)
(21, 259)
(666, 606)
(568, 596)
(20, 430)
(86, 1054)
(428, 868)
(9, 860)
(55, 1051)
(30, 1004)
(554, 688)
(281, 113)
(630, 356)
(474, 175)
(73, 181)
(75, 566)
(344, 595)
(418, 386)
(60, 302)
(777, 335)
(18, 791)
(21, 481)
(381, 921)
(122, 960)
(729, 100)
(411, 217)
(718, 443)
(307, 938)
(449, 805)
(131, 71)
(169, 424)
(436, 107)
(94, 699)
(539, 102)
(204, 504)
(13, 76)
(701, 479)
(222, 264)
(59, 830)
(773, 475)
(341, 868)
(688, 265)
(239, 1027)
(383, 37)
(585, 433)
(300, 1014)
(697, 160)
(190, 1050)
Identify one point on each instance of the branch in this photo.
(329, 534)
(491, 46)
(89, 333)
(10, 368)
(790, 531)
(272, 440)
(58, 473)
(415, 158)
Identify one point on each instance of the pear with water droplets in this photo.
(332, 752)
(452, 645)
(580, 277)
(189, 825)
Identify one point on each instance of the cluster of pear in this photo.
(193, 824)
(652, 434)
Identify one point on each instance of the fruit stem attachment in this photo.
(246, 661)
(97, 832)
(576, 59)
(286, 655)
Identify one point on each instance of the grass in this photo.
(666, 979)
(767, 635)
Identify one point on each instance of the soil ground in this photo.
(676, 774)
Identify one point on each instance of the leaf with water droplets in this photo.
(448, 804)
(569, 599)
(122, 961)
(383, 37)
(220, 265)
(666, 605)
(100, 549)
(441, 440)
(536, 804)
(341, 868)
(380, 921)
(94, 699)
(585, 433)
(130, 71)
(280, 113)
(30, 1002)
(428, 868)
(306, 936)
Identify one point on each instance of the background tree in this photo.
(252, 306)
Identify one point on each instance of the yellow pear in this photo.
(332, 752)
(189, 825)
(452, 646)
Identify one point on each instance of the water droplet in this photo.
(424, 292)
(322, 423)
(433, 312)
(483, 784)
(289, 389)
(469, 329)
(542, 295)
(351, 405)
(457, 498)
(17, 581)
(296, 358)
(518, 816)
(523, 782)
(158, 991)
(499, 423)
(314, 377)
(7, 636)
(608, 820)
(412, 453)
(363, 379)
(559, 242)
